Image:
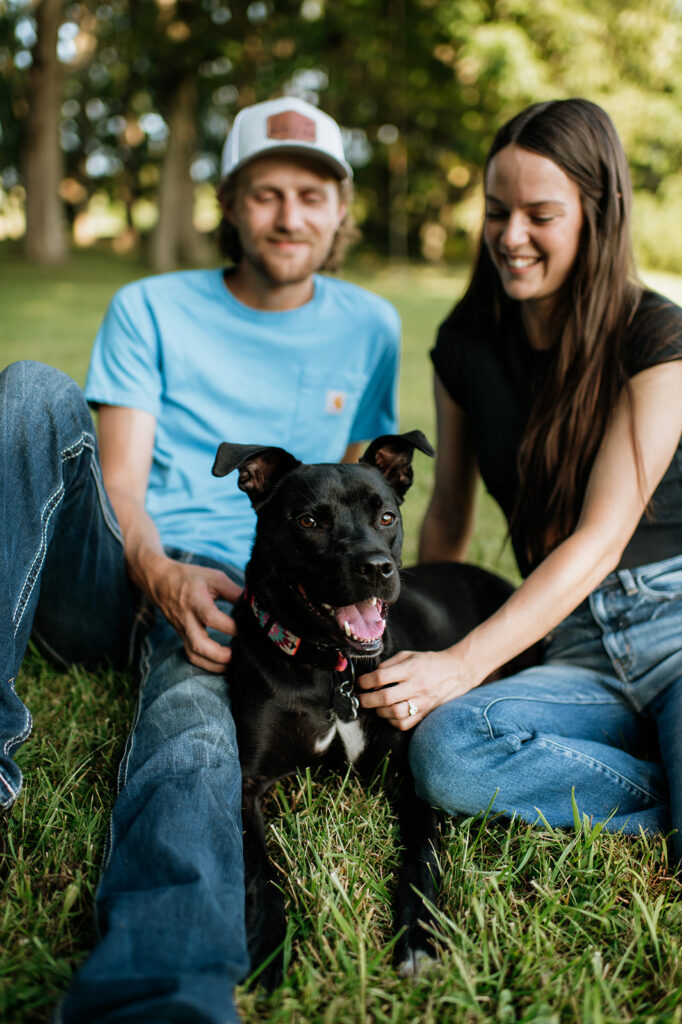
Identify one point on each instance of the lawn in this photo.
(534, 924)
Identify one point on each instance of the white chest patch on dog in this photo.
(351, 736)
(324, 742)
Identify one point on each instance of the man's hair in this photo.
(590, 323)
(230, 244)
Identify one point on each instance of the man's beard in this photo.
(278, 273)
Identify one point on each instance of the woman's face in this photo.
(533, 220)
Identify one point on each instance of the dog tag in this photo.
(344, 702)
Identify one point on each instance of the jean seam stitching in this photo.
(145, 663)
(10, 744)
(33, 573)
(121, 779)
(625, 782)
(544, 700)
(71, 452)
(110, 520)
(19, 738)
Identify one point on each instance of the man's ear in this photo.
(227, 193)
(260, 468)
(343, 210)
(226, 210)
(392, 455)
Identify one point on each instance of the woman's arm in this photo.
(186, 594)
(448, 524)
(617, 493)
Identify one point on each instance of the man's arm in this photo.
(354, 451)
(186, 594)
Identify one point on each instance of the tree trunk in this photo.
(45, 240)
(175, 241)
(397, 198)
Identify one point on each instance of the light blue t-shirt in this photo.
(210, 369)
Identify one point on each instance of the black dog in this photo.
(322, 575)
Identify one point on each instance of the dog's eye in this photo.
(307, 521)
(387, 518)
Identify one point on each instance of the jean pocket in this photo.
(662, 582)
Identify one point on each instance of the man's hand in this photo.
(187, 595)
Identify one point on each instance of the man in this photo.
(267, 352)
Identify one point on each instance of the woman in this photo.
(559, 379)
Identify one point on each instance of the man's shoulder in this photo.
(166, 287)
(362, 304)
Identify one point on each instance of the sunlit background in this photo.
(113, 114)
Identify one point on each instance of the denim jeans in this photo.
(602, 715)
(170, 904)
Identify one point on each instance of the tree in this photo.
(175, 239)
(43, 163)
(151, 88)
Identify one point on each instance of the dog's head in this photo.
(328, 539)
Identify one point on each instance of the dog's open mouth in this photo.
(362, 624)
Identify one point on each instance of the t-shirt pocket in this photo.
(326, 405)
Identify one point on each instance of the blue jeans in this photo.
(602, 715)
(170, 903)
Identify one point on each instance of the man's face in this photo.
(287, 211)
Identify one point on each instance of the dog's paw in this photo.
(415, 963)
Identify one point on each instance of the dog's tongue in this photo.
(363, 619)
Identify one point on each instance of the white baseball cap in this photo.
(284, 125)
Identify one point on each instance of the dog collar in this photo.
(344, 702)
(291, 644)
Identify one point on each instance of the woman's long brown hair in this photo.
(586, 371)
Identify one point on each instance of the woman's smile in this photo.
(533, 223)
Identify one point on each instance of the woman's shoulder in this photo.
(655, 332)
(467, 327)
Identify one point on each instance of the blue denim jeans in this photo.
(170, 904)
(602, 716)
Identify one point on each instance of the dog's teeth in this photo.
(327, 607)
(346, 628)
(373, 601)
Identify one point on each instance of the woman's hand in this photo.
(406, 687)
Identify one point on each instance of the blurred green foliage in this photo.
(421, 84)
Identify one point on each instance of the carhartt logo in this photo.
(335, 401)
(292, 125)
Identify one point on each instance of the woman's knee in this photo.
(447, 757)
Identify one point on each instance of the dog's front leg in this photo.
(265, 918)
(420, 871)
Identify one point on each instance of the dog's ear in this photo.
(260, 468)
(392, 456)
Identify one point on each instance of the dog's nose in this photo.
(377, 566)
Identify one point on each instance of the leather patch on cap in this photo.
(290, 124)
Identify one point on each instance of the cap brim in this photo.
(340, 169)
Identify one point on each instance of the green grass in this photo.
(534, 924)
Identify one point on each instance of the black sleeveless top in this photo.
(493, 376)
